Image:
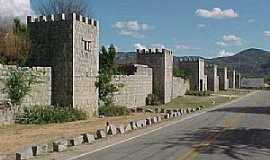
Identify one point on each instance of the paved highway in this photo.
(240, 131)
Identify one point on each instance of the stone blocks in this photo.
(148, 121)
(120, 129)
(141, 123)
(111, 129)
(60, 145)
(25, 154)
(40, 149)
(154, 120)
(101, 133)
(88, 138)
(75, 141)
(133, 125)
(167, 116)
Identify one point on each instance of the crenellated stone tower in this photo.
(161, 63)
(69, 44)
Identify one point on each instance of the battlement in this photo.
(207, 65)
(62, 17)
(190, 59)
(154, 51)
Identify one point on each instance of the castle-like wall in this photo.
(232, 78)
(223, 78)
(194, 69)
(40, 92)
(162, 63)
(252, 83)
(180, 87)
(69, 44)
(212, 78)
(85, 64)
(136, 87)
(238, 80)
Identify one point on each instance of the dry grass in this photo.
(15, 137)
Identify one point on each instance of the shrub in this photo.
(112, 111)
(152, 99)
(198, 93)
(19, 83)
(49, 114)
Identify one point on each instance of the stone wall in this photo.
(194, 69)
(238, 80)
(162, 63)
(252, 82)
(180, 87)
(223, 78)
(69, 44)
(40, 93)
(231, 77)
(212, 78)
(136, 87)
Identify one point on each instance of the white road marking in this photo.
(159, 128)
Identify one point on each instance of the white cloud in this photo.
(224, 53)
(267, 34)
(222, 44)
(152, 46)
(139, 46)
(201, 25)
(132, 28)
(232, 40)
(15, 8)
(217, 13)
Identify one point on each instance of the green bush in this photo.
(18, 84)
(152, 100)
(49, 114)
(198, 93)
(111, 111)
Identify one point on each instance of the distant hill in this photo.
(251, 62)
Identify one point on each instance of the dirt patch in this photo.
(15, 137)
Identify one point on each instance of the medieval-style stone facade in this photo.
(212, 77)
(223, 78)
(232, 78)
(194, 70)
(162, 64)
(69, 44)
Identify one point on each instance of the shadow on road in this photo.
(239, 143)
(253, 110)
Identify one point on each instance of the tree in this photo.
(14, 44)
(64, 6)
(107, 69)
(179, 73)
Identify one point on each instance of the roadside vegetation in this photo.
(107, 69)
(49, 114)
(191, 101)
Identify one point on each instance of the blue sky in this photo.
(188, 27)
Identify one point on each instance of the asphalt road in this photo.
(240, 131)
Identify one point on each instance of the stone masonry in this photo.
(69, 44)
(40, 92)
(212, 77)
(194, 68)
(231, 77)
(238, 80)
(136, 86)
(223, 78)
(162, 63)
(180, 87)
